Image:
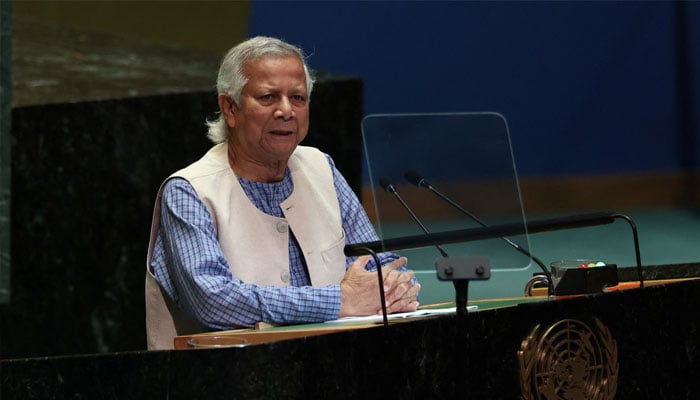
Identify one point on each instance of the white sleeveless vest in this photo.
(254, 243)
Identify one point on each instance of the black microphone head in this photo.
(414, 177)
(386, 184)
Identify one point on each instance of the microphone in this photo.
(461, 285)
(419, 180)
(386, 184)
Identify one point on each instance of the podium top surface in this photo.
(265, 333)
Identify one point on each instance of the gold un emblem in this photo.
(569, 361)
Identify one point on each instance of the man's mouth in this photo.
(281, 132)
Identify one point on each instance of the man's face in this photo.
(273, 117)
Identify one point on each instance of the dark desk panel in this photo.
(654, 332)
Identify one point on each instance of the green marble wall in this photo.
(5, 109)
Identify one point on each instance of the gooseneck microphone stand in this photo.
(458, 270)
(418, 180)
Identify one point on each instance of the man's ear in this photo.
(226, 105)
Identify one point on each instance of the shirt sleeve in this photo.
(190, 265)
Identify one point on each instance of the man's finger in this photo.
(360, 262)
(396, 264)
(406, 293)
(391, 279)
(400, 286)
(403, 306)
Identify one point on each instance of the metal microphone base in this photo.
(461, 270)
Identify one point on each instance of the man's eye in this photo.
(266, 97)
(299, 98)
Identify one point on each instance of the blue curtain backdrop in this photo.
(587, 87)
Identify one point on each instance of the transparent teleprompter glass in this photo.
(456, 172)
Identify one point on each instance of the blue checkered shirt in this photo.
(190, 266)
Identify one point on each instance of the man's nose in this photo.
(284, 109)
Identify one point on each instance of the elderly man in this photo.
(255, 230)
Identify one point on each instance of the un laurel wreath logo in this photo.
(569, 361)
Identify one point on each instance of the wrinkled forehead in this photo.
(274, 67)
(268, 60)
